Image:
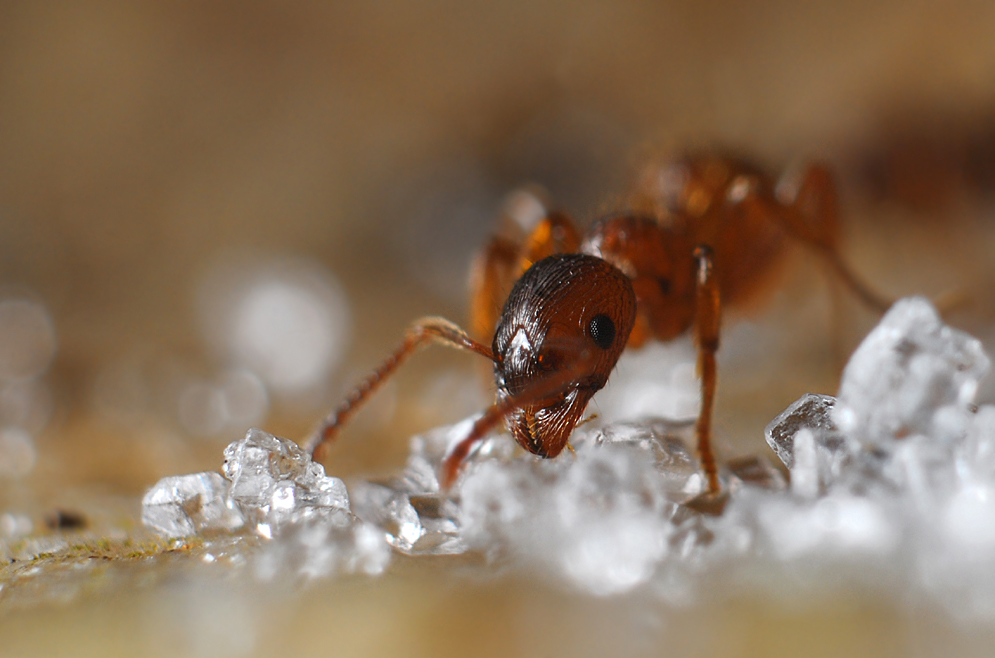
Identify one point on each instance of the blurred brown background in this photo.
(144, 147)
(141, 142)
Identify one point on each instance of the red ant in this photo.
(701, 233)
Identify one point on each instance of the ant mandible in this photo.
(699, 234)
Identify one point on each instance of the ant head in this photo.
(563, 328)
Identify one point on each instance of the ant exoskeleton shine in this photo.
(699, 234)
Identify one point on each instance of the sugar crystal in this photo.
(911, 375)
(274, 482)
(891, 482)
(602, 520)
(184, 505)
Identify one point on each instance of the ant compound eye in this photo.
(602, 330)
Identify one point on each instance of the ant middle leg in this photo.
(494, 272)
(707, 320)
(419, 334)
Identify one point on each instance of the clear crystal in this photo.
(664, 442)
(820, 456)
(810, 411)
(805, 473)
(977, 454)
(753, 471)
(911, 375)
(417, 518)
(274, 482)
(601, 520)
(184, 505)
(439, 518)
(391, 510)
(256, 463)
(829, 527)
(321, 546)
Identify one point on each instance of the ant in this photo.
(699, 234)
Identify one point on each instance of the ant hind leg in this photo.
(810, 214)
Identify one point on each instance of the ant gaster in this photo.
(699, 234)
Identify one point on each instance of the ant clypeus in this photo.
(700, 233)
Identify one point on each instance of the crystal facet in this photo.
(274, 482)
(187, 504)
(602, 520)
(911, 375)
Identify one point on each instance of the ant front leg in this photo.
(419, 334)
(551, 389)
(707, 318)
(454, 460)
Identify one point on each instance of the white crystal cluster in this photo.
(418, 518)
(892, 484)
(275, 483)
(184, 505)
(273, 489)
(603, 519)
(897, 472)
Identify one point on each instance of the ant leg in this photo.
(810, 214)
(708, 314)
(555, 234)
(836, 323)
(587, 420)
(492, 276)
(541, 394)
(419, 334)
(454, 460)
(503, 261)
